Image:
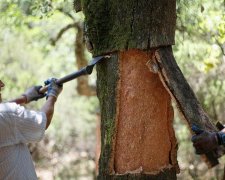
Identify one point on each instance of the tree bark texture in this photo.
(137, 133)
(137, 137)
(118, 25)
(170, 74)
(165, 175)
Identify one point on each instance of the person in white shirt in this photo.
(19, 126)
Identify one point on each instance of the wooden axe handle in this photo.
(43, 89)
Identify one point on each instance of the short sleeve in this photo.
(21, 125)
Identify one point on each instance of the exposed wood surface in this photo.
(181, 92)
(137, 137)
(115, 26)
(145, 140)
(165, 174)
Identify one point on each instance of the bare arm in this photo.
(31, 94)
(48, 109)
(20, 100)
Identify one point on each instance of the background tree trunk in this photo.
(137, 137)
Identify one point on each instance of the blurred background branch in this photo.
(28, 58)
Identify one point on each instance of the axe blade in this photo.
(84, 71)
(97, 59)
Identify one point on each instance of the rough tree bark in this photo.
(165, 66)
(137, 136)
(135, 107)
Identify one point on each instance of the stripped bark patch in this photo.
(145, 140)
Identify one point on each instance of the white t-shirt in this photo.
(18, 126)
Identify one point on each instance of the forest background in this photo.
(29, 54)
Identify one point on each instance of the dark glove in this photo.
(32, 94)
(53, 88)
(204, 141)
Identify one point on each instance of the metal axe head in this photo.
(95, 60)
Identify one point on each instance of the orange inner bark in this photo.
(144, 137)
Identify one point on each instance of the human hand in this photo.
(33, 94)
(204, 141)
(53, 88)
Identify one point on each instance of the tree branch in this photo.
(221, 46)
(66, 13)
(62, 31)
(83, 87)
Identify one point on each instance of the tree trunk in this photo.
(137, 137)
(136, 122)
(114, 25)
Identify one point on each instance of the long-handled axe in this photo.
(84, 71)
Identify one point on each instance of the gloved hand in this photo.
(32, 94)
(204, 141)
(53, 88)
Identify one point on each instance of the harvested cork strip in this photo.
(145, 140)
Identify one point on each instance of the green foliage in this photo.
(27, 58)
(199, 51)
